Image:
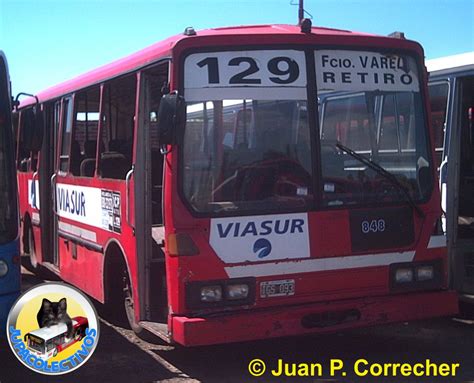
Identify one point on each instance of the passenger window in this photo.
(27, 160)
(438, 102)
(23, 155)
(66, 135)
(118, 120)
(85, 129)
(157, 80)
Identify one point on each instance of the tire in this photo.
(129, 306)
(55, 352)
(33, 260)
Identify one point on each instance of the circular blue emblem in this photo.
(262, 247)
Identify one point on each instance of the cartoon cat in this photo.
(51, 313)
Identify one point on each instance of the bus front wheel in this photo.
(32, 249)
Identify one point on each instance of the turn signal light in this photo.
(181, 244)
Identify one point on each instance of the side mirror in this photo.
(171, 115)
(33, 128)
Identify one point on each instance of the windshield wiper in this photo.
(389, 176)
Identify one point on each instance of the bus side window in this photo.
(439, 103)
(66, 128)
(118, 119)
(157, 84)
(85, 129)
(24, 156)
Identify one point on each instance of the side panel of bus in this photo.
(90, 187)
(83, 194)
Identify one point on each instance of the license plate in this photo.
(277, 288)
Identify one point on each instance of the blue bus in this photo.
(9, 250)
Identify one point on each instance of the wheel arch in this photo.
(114, 259)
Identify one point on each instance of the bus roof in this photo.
(164, 48)
(451, 64)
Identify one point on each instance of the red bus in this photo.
(243, 183)
(47, 342)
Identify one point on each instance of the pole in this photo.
(300, 12)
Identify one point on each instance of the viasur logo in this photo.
(262, 247)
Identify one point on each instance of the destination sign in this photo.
(344, 70)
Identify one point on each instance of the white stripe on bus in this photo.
(78, 231)
(437, 241)
(319, 264)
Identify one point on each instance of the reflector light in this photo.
(181, 244)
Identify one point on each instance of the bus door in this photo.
(463, 182)
(457, 174)
(149, 218)
(62, 138)
(47, 171)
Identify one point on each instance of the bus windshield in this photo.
(254, 152)
(35, 343)
(386, 128)
(247, 155)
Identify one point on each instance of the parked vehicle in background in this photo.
(451, 87)
(9, 250)
(191, 186)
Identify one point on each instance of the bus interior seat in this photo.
(89, 149)
(114, 165)
(115, 145)
(91, 146)
(76, 158)
(122, 146)
(87, 167)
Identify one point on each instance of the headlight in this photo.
(240, 291)
(3, 268)
(424, 273)
(404, 275)
(219, 293)
(211, 293)
(411, 276)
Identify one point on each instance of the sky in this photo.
(50, 41)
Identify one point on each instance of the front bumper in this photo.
(293, 320)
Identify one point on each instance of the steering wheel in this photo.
(279, 176)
